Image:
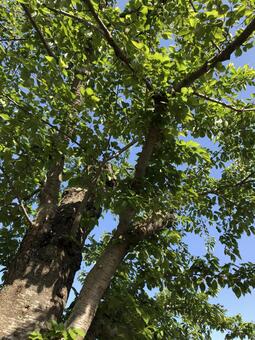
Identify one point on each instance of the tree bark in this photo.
(101, 274)
(40, 278)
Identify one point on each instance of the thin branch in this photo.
(118, 153)
(213, 100)
(21, 205)
(34, 24)
(245, 180)
(12, 39)
(108, 37)
(219, 190)
(220, 57)
(25, 212)
(25, 109)
(28, 197)
(74, 17)
(192, 5)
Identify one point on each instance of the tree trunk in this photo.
(100, 276)
(40, 278)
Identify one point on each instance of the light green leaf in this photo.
(49, 58)
(4, 116)
(137, 44)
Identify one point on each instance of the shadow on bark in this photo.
(39, 279)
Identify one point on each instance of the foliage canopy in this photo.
(85, 80)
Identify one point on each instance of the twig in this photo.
(192, 5)
(34, 24)
(213, 100)
(128, 12)
(74, 17)
(118, 153)
(13, 39)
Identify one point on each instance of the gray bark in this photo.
(101, 274)
(40, 278)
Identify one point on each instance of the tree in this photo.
(82, 84)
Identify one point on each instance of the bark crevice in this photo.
(41, 276)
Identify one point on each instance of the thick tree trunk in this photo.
(39, 279)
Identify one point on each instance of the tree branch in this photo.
(213, 100)
(108, 36)
(220, 57)
(118, 153)
(74, 17)
(25, 109)
(101, 274)
(12, 39)
(34, 24)
(91, 186)
(192, 5)
(221, 189)
(23, 208)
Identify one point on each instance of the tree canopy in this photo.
(142, 113)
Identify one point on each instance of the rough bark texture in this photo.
(39, 279)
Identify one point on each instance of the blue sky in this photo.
(244, 305)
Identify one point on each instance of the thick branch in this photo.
(126, 234)
(144, 158)
(50, 192)
(38, 31)
(100, 276)
(220, 57)
(92, 184)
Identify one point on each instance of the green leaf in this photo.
(137, 44)
(49, 58)
(4, 116)
(89, 91)
(62, 63)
